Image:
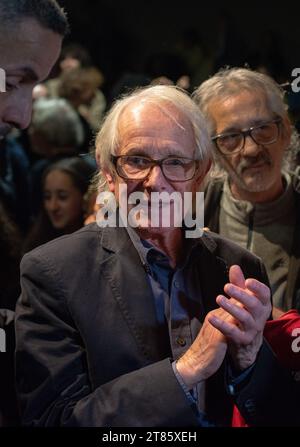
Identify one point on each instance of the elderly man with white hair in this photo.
(140, 325)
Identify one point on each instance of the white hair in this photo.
(167, 98)
(57, 121)
(231, 81)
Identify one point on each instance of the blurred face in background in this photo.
(26, 56)
(69, 63)
(63, 201)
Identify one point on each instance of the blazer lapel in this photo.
(213, 272)
(123, 269)
(292, 294)
(213, 195)
(214, 275)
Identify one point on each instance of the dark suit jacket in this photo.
(9, 414)
(88, 349)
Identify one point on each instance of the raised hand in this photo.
(206, 354)
(249, 306)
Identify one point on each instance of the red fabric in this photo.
(280, 334)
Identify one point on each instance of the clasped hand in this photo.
(237, 326)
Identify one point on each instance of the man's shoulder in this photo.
(71, 246)
(212, 197)
(230, 254)
(227, 249)
(214, 185)
(297, 195)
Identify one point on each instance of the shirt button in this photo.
(231, 390)
(180, 341)
(297, 376)
(250, 405)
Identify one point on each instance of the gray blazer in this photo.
(89, 352)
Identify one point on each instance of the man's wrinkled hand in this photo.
(206, 354)
(249, 306)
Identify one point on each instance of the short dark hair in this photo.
(47, 13)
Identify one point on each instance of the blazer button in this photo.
(297, 376)
(250, 405)
(180, 341)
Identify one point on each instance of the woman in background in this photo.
(64, 184)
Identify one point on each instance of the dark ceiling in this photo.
(124, 35)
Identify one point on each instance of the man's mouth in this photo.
(256, 166)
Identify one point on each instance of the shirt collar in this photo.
(150, 254)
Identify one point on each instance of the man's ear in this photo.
(110, 181)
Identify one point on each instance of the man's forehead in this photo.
(239, 110)
(30, 44)
(153, 114)
(244, 98)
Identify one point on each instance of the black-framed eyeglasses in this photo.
(233, 142)
(138, 167)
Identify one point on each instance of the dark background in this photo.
(123, 36)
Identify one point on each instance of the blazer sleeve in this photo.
(52, 367)
(271, 396)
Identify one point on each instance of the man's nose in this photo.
(19, 113)
(156, 179)
(251, 148)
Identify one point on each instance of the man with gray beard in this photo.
(253, 201)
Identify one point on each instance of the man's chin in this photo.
(156, 219)
(254, 184)
(145, 224)
(148, 232)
